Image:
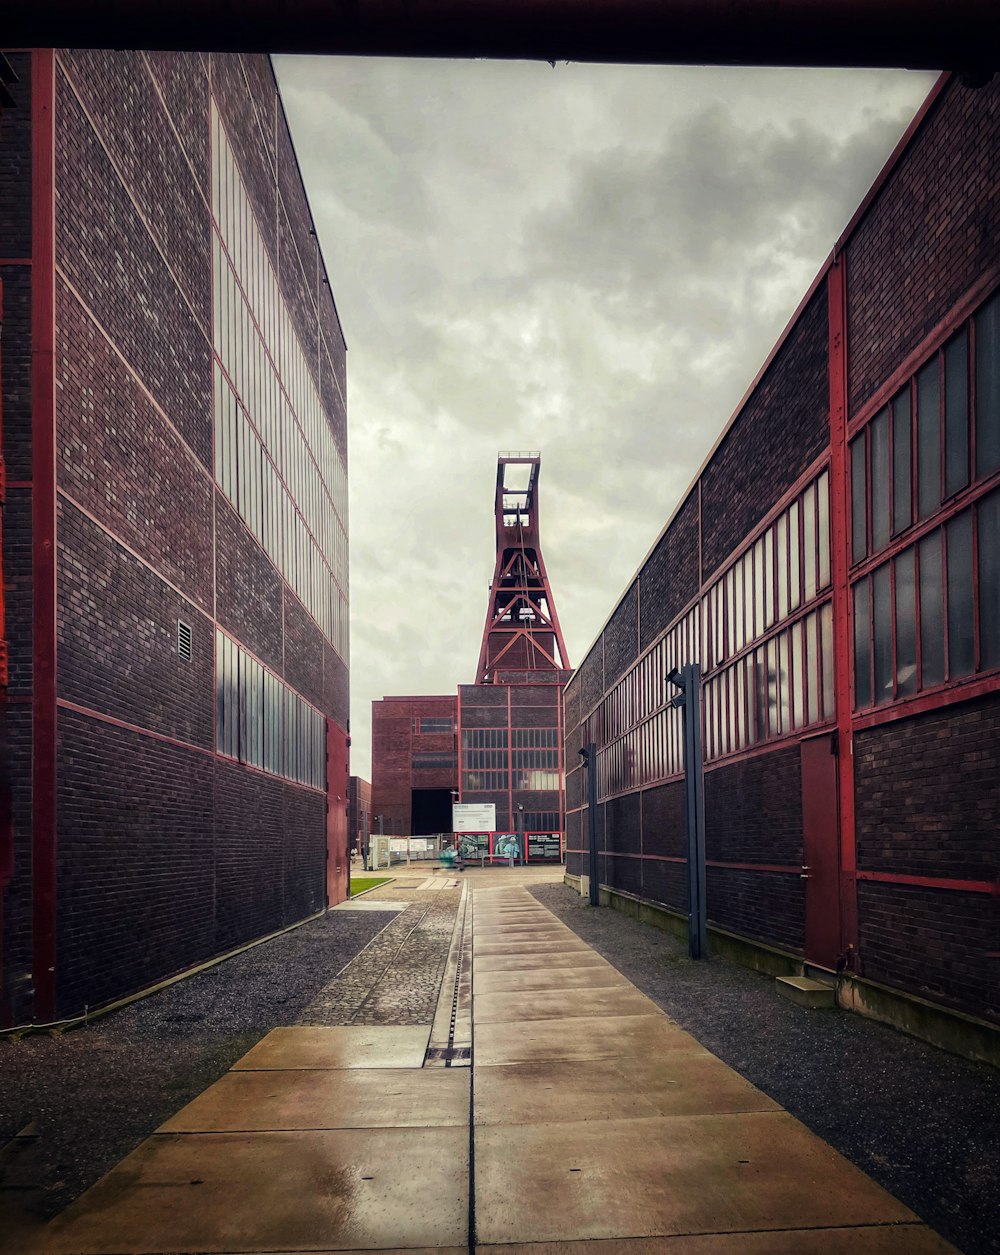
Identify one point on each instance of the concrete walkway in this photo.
(599, 1126)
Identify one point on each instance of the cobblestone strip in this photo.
(397, 978)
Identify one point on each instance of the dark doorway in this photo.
(431, 811)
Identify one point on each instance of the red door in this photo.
(821, 850)
(337, 769)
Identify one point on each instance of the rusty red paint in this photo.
(43, 530)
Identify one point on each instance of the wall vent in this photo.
(184, 640)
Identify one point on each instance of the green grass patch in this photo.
(361, 884)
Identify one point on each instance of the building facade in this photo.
(834, 569)
(359, 813)
(175, 532)
(414, 765)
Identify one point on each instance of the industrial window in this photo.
(484, 738)
(276, 458)
(433, 762)
(938, 434)
(261, 722)
(922, 618)
(425, 725)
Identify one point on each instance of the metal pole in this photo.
(591, 759)
(694, 812)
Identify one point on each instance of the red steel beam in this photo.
(918, 34)
(43, 519)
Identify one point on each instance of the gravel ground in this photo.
(96, 1092)
(923, 1123)
(396, 980)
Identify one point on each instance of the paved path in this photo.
(600, 1126)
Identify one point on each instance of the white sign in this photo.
(474, 817)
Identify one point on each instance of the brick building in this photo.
(834, 570)
(500, 742)
(359, 812)
(414, 764)
(175, 531)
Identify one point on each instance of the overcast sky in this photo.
(592, 261)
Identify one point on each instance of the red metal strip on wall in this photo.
(43, 518)
(991, 887)
(842, 659)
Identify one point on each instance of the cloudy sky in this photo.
(592, 261)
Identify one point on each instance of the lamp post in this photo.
(687, 699)
(589, 756)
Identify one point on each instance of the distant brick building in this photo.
(359, 812)
(414, 764)
(500, 743)
(834, 568)
(175, 537)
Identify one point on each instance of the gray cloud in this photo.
(592, 261)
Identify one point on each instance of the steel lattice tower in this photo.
(522, 630)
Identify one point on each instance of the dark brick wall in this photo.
(670, 577)
(248, 589)
(931, 232)
(17, 902)
(663, 820)
(123, 463)
(769, 906)
(168, 856)
(927, 793)
(393, 744)
(117, 638)
(15, 163)
(621, 637)
(623, 824)
(157, 841)
(106, 251)
(753, 809)
(136, 880)
(781, 430)
(940, 944)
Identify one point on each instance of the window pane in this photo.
(812, 668)
(781, 546)
(784, 680)
(826, 656)
(906, 625)
(956, 413)
(769, 577)
(879, 442)
(931, 611)
(859, 500)
(902, 467)
(989, 580)
(794, 563)
(882, 634)
(809, 541)
(928, 440)
(823, 501)
(796, 678)
(961, 641)
(758, 582)
(988, 387)
(862, 646)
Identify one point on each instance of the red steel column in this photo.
(842, 638)
(43, 520)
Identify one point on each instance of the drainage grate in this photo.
(446, 1053)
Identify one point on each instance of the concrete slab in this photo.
(499, 1008)
(904, 1239)
(513, 946)
(675, 1175)
(369, 904)
(806, 992)
(348, 1098)
(520, 930)
(534, 961)
(602, 1037)
(359, 1189)
(340, 1047)
(542, 979)
(675, 1083)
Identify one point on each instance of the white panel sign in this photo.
(473, 817)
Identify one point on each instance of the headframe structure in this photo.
(522, 631)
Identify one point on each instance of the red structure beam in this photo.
(522, 628)
(917, 34)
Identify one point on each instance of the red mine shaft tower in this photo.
(522, 630)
